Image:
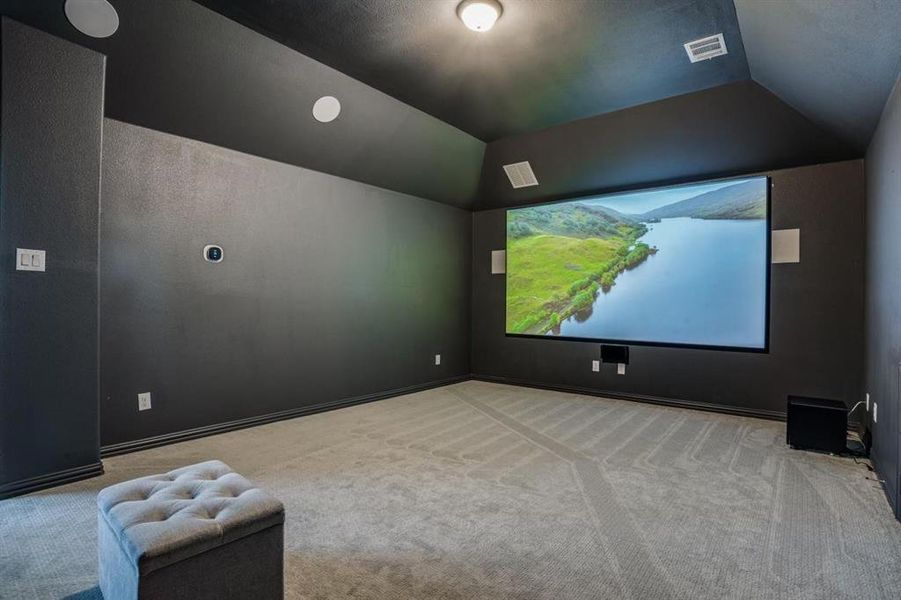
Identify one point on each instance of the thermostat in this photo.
(213, 253)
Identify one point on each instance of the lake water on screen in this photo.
(706, 285)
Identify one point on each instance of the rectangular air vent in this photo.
(706, 48)
(520, 174)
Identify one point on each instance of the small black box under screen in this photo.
(614, 354)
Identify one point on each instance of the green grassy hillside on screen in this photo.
(560, 256)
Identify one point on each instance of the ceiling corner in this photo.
(834, 61)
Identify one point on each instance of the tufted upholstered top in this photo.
(162, 519)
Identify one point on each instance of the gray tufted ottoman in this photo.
(198, 532)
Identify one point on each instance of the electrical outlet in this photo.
(30, 260)
(620, 368)
(437, 359)
(595, 365)
(868, 401)
(144, 401)
(875, 412)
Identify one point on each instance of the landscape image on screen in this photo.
(683, 265)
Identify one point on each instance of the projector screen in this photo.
(678, 266)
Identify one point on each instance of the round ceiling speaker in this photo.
(96, 18)
(326, 109)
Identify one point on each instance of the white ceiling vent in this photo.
(520, 174)
(706, 48)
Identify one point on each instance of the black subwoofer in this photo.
(817, 424)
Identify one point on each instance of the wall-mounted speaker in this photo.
(786, 246)
(498, 262)
(615, 354)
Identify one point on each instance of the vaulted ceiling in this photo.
(834, 60)
(598, 94)
(550, 62)
(178, 67)
(544, 63)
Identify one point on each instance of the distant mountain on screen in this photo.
(569, 219)
(746, 200)
(612, 214)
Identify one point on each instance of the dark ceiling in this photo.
(571, 85)
(543, 64)
(834, 60)
(178, 67)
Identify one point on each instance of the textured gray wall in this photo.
(330, 289)
(52, 114)
(883, 314)
(728, 130)
(816, 339)
(179, 67)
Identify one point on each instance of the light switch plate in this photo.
(30, 260)
(620, 368)
(595, 365)
(144, 401)
(437, 359)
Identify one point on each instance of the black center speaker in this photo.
(817, 424)
(614, 354)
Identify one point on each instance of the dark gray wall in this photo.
(330, 289)
(179, 67)
(52, 113)
(728, 130)
(883, 314)
(816, 323)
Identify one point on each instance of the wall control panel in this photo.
(213, 253)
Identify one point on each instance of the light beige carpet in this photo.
(486, 491)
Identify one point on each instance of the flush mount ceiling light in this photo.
(326, 109)
(479, 15)
(96, 18)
